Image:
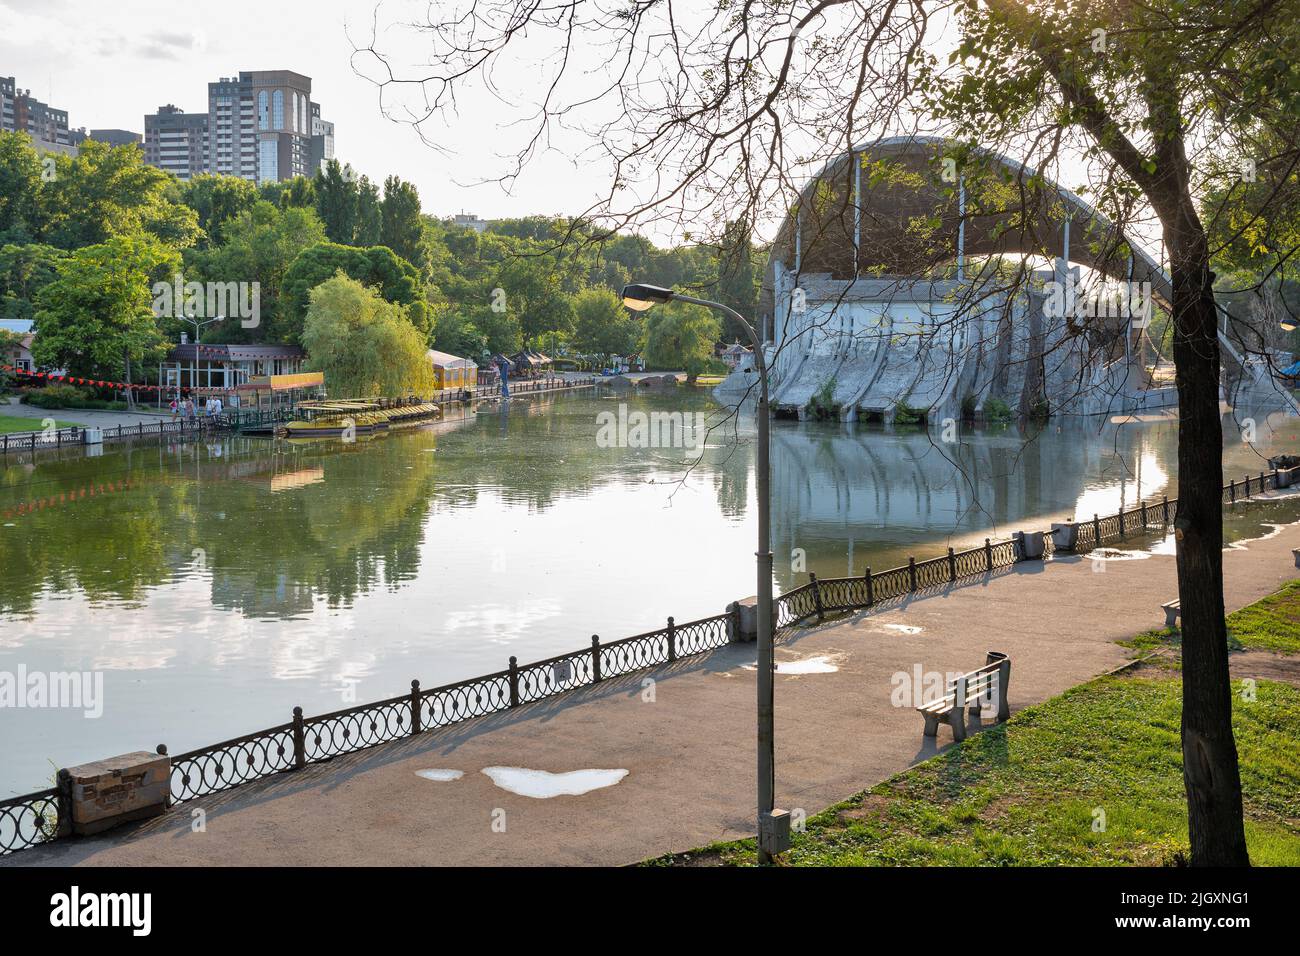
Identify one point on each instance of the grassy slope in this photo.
(1272, 624)
(1027, 792)
(12, 423)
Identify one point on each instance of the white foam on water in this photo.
(440, 774)
(903, 628)
(542, 784)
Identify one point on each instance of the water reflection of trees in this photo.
(118, 525)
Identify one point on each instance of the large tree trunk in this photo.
(1210, 772)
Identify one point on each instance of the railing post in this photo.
(63, 780)
(514, 681)
(1144, 516)
(988, 554)
(1262, 489)
(1166, 506)
(299, 739)
(911, 573)
(1121, 523)
(1232, 490)
(1096, 530)
(415, 707)
(817, 596)
(871, 590)
(672, 641)
(952, 565)
(595, 659)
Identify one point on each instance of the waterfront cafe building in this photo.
(452, 371)
(241, 374)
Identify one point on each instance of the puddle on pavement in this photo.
(1117, 554)
(903, 628)
(542, 784)
(440, 775)
(823, 664)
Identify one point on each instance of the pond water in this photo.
(214, 586)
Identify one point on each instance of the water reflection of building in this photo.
(833, 486)
(258, 594)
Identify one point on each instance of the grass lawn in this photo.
(1090, 778)
(12, 423)
(1272, 624)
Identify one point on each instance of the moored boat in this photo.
(343, 418)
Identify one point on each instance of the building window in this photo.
(277, 109)
(268, 161)
(263, 112)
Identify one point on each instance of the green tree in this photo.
(299, 192)
(369, 222)
(680, 336)
(261, 243)
(216, 200)
(20, 188)
(96, 318)
(377, 266)
(402, 228)
(365, 345)
(336, 201)
(602, 325)
(737, 278)
(106, 191)
(24, 271)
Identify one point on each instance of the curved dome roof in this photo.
(893, 212)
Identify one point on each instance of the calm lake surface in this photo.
(217, 585)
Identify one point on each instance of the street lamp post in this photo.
(770, 838)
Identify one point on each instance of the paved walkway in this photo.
(689, 753)
(100, 418)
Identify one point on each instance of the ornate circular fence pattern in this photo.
(33, 819)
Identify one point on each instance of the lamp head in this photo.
(639, 297)
(1289, 325)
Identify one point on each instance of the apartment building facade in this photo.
(20, 112)
(176, 141)
(260, 125)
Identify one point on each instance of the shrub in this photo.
(822, 404)
(56, 396)
(905, 414)
(996, 410)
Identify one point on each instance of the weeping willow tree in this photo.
(365, 345)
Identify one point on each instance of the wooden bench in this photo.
(1172, 610)
(971, 689)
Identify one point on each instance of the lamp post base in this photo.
(773, 834)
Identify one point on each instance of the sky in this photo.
(110, 63)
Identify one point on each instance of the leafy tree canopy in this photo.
(365, 345)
